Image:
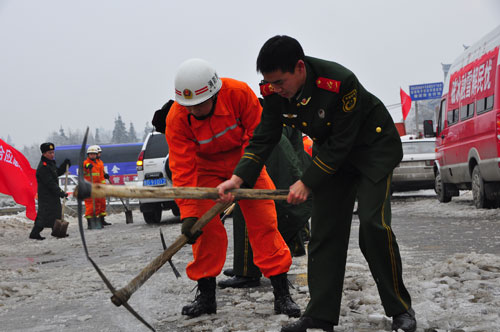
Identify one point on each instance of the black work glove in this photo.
(67, 162)
(106, 176)
(89, 166)
(187, 224)
(63, 194)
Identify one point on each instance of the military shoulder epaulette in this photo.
(266, 89)
(328, 84)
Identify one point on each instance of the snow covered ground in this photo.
(452, 272)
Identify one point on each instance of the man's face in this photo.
(287, 84)
(49, 154)
(92, 156)
(202, 109)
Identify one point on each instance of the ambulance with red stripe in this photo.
(468, 129)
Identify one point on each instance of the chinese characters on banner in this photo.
(17, 178)
(474, 81)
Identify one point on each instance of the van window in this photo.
(485, 104)
(452, 117)
(489, 103)
(157, 147)
(467, 111)
(442, 113)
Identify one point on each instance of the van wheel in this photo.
(152, 217)
(441, 189)
(478, 193)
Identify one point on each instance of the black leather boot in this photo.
(35, 233)
(204, 302)
(305, 323)
(240, 282)
(405, 321)
(283, 303)
(229, 272)
(103, 222)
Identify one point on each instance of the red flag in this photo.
(17, 178)
(405, 103)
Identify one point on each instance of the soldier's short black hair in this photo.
(279, 53)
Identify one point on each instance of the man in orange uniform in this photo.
(207, 129)
(94, 173)
(102, 201)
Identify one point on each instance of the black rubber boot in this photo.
(283, 303)
(305, 323)
(204, 302)
(103, 222)
(405, 321)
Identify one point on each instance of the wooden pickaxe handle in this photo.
(103, 190)
(122, 295)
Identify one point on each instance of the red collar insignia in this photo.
(266, 89)
(328, 84)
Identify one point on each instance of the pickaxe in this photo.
(86, 190)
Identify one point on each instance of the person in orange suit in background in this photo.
(93, 171)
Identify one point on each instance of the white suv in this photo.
(152, 170)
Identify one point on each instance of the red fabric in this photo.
(17, 178)
(405, 103)
(328, 84)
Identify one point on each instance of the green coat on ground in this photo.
(49, 192)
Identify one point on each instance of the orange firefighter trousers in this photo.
(271, 254)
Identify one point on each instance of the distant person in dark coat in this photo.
(49, 192)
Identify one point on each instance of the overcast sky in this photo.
(81, 63)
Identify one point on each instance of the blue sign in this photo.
(426, 91)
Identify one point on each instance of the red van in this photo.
(468, 130)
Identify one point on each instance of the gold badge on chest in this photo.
(349, 100)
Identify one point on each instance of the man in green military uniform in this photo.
(284, 166)
(49, 192)
(357, 148)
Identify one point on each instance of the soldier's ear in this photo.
(300, 67)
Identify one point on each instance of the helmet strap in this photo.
(214, 102)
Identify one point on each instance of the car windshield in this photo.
(416, 147)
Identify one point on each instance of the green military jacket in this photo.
(351, 127)
(49, 192)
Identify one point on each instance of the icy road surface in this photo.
(450, 257)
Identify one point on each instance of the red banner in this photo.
(17, 178)
(474, 81)
(405, 103)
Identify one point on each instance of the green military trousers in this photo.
(243, 265)
(332, 212)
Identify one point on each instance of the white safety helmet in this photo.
(93, 149)
(196, 81)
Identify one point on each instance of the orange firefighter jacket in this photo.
(97, 171)
(212, 146)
